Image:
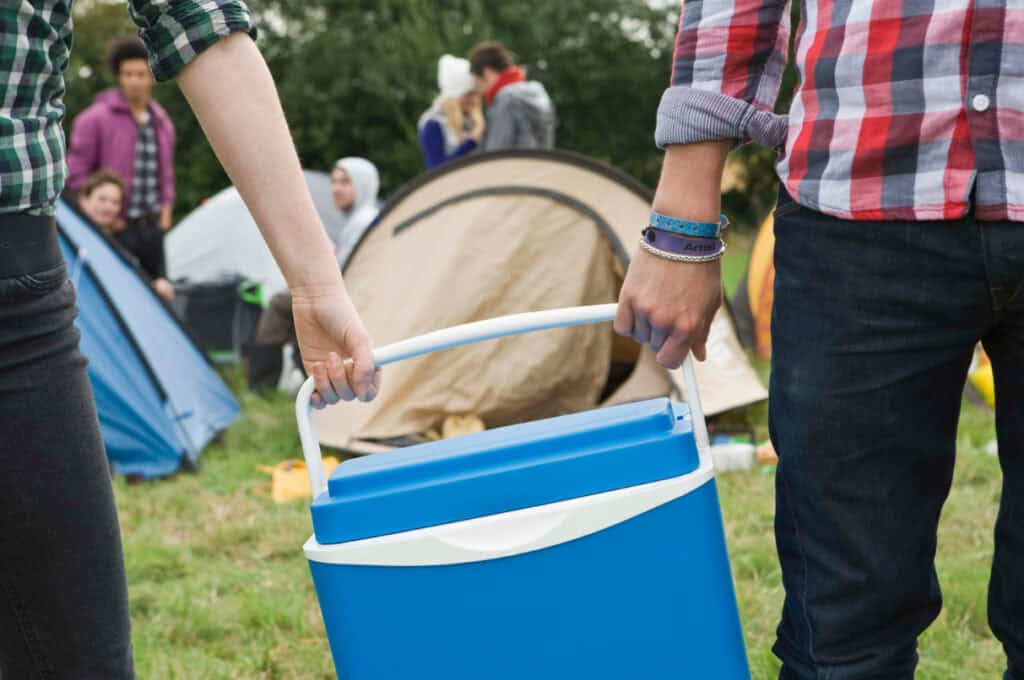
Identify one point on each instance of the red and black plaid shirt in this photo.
(904, 110)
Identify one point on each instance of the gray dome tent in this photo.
(220, 239)
(223, 270)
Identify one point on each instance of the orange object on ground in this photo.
(761, 287)
(982, 379)
(766, 454)
(289, 479)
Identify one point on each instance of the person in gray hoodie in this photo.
(520, 114)
(273, 357)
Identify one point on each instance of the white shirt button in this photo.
(981, 102)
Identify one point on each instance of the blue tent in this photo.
(159, 400)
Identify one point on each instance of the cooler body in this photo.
(597, 581)
(649, 598)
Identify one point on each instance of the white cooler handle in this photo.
(464, 334)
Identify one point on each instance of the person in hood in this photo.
(126, 131)
(273, 358)
(454, 125)
(520, 114)
(355, 184)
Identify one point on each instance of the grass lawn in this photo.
(959, 644)
(220, 588)
(734, 263)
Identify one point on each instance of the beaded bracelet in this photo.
(674, 257)
(688, 228)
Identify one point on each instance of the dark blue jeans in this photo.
(63, 600)
(873, 329)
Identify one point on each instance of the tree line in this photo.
(355, 76)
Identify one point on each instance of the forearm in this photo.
(691, 179)
(249, 134)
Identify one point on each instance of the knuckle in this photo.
(661, 319)
(668, 362)
(683, 327)
(644, 309)
(359, 338)
(689, 324)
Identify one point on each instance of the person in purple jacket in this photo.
(127, 132)
(454, 124)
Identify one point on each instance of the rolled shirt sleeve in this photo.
(726, 72)
(176, 31)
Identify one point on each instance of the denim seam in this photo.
(1016, 292)
(787, 209)
(44, 281)
(994, 307)
(803, 587)
(31, 636)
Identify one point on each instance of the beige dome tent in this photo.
(496, 234)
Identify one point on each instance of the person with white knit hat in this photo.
(454, 124)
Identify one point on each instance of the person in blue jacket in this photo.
(454, 124)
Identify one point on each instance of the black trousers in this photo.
(873, 329)
(63, 597)
(143, 238)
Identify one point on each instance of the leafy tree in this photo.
(355, 76)
(96, 24)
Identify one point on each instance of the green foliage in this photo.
(354, 77)
(96, 24)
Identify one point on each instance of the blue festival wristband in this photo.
(688, 228)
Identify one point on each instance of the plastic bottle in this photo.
(733, 456)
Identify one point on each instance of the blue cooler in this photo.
(585, 546)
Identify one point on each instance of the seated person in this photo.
(272, 359)
(100, 199)
(355, 184)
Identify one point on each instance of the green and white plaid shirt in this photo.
(35, 41)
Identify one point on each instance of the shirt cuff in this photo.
(687, 116)
(176, 33)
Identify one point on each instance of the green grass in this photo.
(959, 644)
(218, 584)
(220, 589)
(734, 263)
